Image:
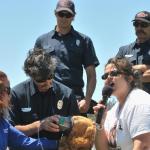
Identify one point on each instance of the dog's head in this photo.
(81, 136)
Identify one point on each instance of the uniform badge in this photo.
(60, 104)
(77, 42)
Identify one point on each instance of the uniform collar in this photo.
(55, 33)
(141, 45)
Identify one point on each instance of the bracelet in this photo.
(99, 127)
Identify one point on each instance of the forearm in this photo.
(101, 142)
(29, 129)
(91, 82)
(146, 76)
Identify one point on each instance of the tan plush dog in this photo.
(81, 136)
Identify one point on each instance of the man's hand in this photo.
(141, 67)
(84, 105)
(145, 70)
(50, 124)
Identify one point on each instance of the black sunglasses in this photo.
(113, 73)
(43, 80)
(64, 14)
(5, 89)
(141, 24)
(8, 90)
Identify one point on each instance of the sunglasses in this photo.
(7, 90)
(141, 24)
(43, 80)
(113, 73)
(63, 14)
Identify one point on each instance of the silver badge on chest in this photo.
(60, 104)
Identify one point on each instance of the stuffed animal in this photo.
(81, 136)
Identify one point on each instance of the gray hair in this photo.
(39, 65)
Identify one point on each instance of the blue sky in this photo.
(108, 23)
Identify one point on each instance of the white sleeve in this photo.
(138, 120)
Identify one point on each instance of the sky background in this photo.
(107, 23)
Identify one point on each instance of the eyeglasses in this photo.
(6, 89)
(43, 80)
(141, 24)
(113, 73)
(64, 14)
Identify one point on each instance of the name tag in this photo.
(26, 109)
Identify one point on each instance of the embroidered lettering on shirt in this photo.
(5, 130)
(129, 55)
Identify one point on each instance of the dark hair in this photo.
(123, 65)
(2, 75)
(39, 64)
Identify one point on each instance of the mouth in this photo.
(112, 84)
(140, 32)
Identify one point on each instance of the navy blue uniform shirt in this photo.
(74, 51)
(30, 105)
(137, 54)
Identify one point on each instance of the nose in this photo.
(109, 76)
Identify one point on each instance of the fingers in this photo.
(97, 107)
(50, 124)
(83, 105)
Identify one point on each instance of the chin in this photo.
(115, 92)
(43, 89)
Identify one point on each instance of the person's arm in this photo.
(29, 129)
(101, 142)
(47, 124)
(91, 84)
(142, 142)
(17, 139)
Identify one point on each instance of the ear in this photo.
(72, 19)
(129, 79)
(55, 12)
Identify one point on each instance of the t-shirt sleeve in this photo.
(89, 55)
(138, 120)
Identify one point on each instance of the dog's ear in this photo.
(82, 134)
